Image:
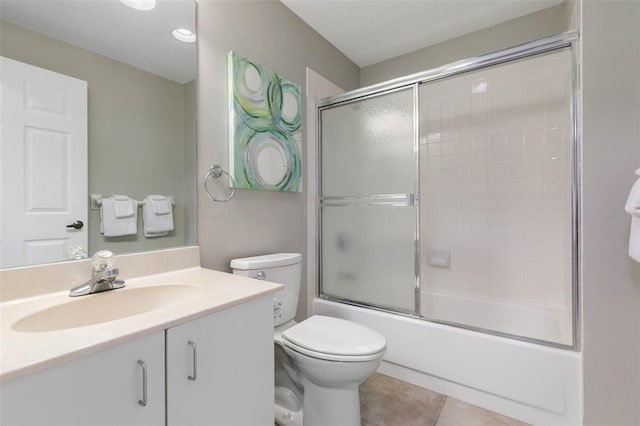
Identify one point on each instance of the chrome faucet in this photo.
(103, 277)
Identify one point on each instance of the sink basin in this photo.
(106, 306)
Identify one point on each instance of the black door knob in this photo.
(76, 225)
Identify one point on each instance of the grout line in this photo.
(441, 408)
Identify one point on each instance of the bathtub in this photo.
(532, 383)
(535, 322)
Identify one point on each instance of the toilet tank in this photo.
(281, 268)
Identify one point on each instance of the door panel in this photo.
(368, 255)
(44, 164)
(99, 389)
(368, 146)
(368, 210)
(220, 367)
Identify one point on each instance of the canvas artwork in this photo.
(265, 133)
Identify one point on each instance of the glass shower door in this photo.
(367, 192)
(496, 149)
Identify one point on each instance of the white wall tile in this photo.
(434, 149)
(498, 183)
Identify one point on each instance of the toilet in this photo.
(319, 362)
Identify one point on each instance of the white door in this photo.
(43, 164)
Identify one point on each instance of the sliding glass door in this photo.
(368, 220)
(454, 197)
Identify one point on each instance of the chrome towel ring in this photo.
(215, 172)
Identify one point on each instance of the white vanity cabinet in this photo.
(103, 388)
(220, 368)
(228, 355)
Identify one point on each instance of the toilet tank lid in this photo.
(266, 261)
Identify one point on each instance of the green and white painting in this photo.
(264, 128)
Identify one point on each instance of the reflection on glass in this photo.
(140, 119)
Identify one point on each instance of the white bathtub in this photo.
(529, 382)
(553, 325)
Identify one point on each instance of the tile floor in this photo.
(385, 401)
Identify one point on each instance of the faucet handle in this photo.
(102, 260)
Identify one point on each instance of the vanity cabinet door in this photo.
(220, 368)
(99, 389)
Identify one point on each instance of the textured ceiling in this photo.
(371, 31)
(108, 27)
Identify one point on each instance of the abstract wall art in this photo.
(265, 135)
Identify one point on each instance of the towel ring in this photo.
(215, 172)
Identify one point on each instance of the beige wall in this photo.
(611, 148)
(530, 27)
(136, 123)
(189, 163)
(572, 14)
(254, 222)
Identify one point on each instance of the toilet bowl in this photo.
(319, 362)
(287, 407)
(333, 356)
(331, 389)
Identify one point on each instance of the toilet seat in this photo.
(334, 339)
(331, 357)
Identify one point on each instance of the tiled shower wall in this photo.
(496, 183)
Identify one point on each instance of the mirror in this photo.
(139, 120)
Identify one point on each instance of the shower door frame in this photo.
(560, 41)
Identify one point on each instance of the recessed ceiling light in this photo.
(140, 4)
(184, 35)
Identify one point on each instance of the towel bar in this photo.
(96, 201)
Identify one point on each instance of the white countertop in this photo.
(24, 353)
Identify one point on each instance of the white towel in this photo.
(123, 206)
(160, 204)
(633, 208)
(160, 223)
(111, 226)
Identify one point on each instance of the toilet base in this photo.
(331, 406)
(284, 417)
(288, 410)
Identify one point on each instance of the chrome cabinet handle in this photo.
(143, 401)
(194, 376)
(261, 275)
